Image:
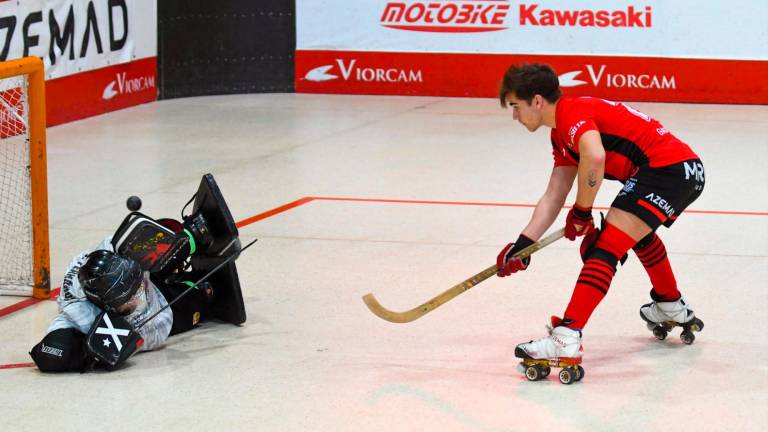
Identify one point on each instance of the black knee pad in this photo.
(592, 251)
(644, 242)
(588, 244)
(605, 256)
(61, 350)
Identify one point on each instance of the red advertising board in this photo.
(98, 56)
(478, 75)
(85, 94)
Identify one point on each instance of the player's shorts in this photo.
(659, 195)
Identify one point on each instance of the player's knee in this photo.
(615, 241)
(61, 350)
(645, 242)
(612, 245)
(604, 256)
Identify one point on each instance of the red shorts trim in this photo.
(662, 217)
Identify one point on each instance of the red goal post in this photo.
(24, 254)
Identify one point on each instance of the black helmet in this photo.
(109, 280)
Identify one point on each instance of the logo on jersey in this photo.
(695, 169)
(66, 286)
(629, 186)
(661, 203)
(572, 132)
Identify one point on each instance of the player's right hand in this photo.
(507, 263)
(578, 222)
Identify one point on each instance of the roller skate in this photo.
(561, 349)
(661, 317)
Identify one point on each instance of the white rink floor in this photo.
(311, 357)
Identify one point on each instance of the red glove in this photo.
(507, 263)
(578, 222)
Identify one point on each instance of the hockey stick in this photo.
(201, 280)
(420, 311)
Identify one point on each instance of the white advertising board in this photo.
(74, 36)
(736, 29)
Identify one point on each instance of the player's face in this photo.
(138, 300)
(528, 114)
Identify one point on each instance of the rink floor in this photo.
(401, 197)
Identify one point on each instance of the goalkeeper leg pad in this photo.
(211, 223)
(227, 304)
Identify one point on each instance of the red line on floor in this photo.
(274, 211)
(16, 365)
(26, 303)
(397, 201)
(723, 212)
(488, 204)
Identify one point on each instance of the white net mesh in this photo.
(15, 189)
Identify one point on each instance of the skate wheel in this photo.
(687, 337)
(545, 371)
(697, 325)
(579, 373)
(533, 373)
(660, 333)
(567, 376)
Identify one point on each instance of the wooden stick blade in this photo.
(424, 308)
(385, 314)
(447, 295)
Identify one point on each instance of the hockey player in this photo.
(112, 296)
(595, 139)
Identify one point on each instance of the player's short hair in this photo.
(527, 80)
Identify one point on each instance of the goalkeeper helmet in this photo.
(109, 280)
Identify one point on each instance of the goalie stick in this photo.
(432, 304)
(194, 286)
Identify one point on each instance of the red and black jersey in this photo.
(631, 139)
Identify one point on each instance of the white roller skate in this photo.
(561, 349)
(661, 317)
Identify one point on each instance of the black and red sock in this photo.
(653, 256)
(596, 275)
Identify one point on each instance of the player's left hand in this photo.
(507, 263)
(578, 222)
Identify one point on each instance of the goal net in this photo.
(24, 261)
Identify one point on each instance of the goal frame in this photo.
(33, 68)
